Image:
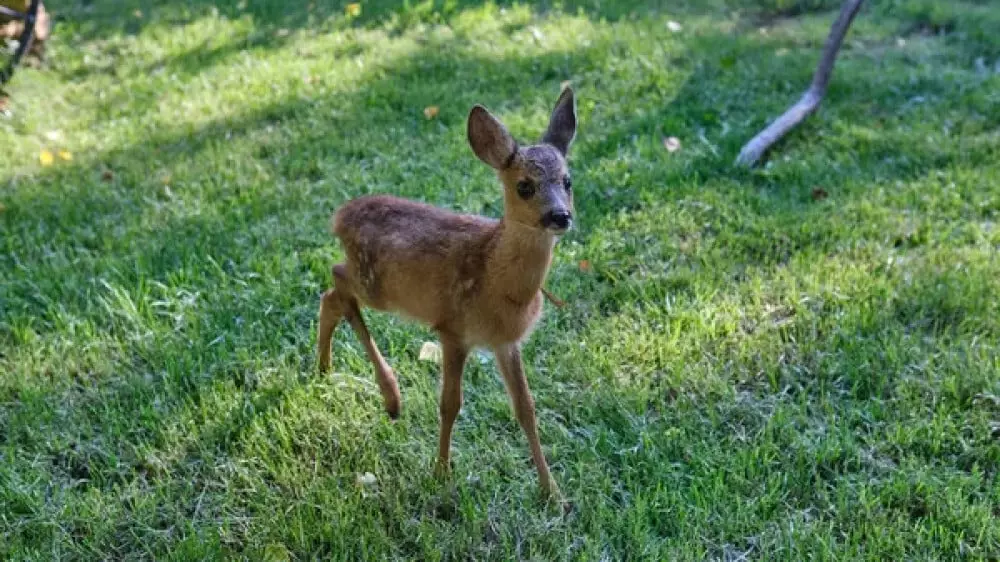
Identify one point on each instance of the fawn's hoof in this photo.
(551, 494)
(566, 507)
(392, 400)
(442, 469)
(392, 407)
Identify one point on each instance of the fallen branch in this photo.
(755, 149)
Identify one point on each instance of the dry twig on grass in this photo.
(755, 149)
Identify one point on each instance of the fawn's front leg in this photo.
(453, 363)
(512, 369)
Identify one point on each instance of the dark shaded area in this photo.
(390, 100)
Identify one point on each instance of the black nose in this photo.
(558, 219)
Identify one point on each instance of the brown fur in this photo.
(474, 280)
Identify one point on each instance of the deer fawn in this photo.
(476, 281)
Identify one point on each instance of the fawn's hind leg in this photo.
(344, 304)
(331, 311)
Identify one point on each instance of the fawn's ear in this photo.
(562, 124)
(490, 140)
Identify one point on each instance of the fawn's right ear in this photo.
(490, 140)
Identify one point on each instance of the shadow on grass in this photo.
(705, 98)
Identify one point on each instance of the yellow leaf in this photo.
(353, 9)
(46, 158)
(431, 111)
(3, 207)
(65, 155)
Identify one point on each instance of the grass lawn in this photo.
(797, 361)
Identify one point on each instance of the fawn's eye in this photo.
(568, 183)
(525, 189)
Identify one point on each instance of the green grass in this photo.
(743, 370)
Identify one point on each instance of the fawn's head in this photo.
(538, 191)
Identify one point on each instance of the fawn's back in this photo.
(472, 276)
(412, 258)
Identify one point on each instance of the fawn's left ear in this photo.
(562, 124)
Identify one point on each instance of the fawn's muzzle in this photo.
(557, 220)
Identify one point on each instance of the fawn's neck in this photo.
(520, 260)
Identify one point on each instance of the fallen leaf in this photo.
(107, 175)
(353, 9)
(366, 479)
(430, 351)
(166, 179)
(4, 100)
(819, 194)
(66, 155)
(674, 26)
(672, 144)
(584, 265)
(431, 111)
(46, 158)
